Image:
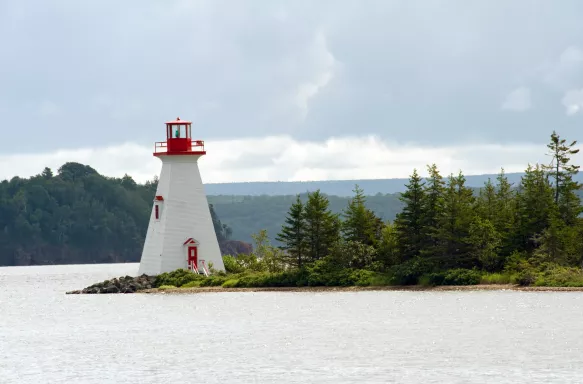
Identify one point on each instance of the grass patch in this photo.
(232, 283)
(499, 278)
(192, 284)
(163, 287)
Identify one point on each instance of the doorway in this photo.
(193, 257)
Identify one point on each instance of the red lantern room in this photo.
(179, 140)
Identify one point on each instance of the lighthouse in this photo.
(181, 233)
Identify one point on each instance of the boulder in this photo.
(124, 284)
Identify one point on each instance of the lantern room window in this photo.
(176, 130)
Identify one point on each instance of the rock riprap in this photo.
(126, 284)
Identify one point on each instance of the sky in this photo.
(289, 90)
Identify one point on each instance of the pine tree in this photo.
(534, 206)
(293, 234)
(360, 224)
(322, 226)
(409, 222)
(504, 219)
(434, 191)
(486, 205)
(563, 172)
(453, 235)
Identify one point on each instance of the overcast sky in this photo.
(289, 90)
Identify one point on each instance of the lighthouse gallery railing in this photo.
(195, 146)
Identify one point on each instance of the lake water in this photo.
(280, 337)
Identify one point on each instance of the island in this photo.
(503, 236)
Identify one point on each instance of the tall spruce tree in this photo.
(360, 224)
(535, 204)
(486, 204)
(454, 229)
(504, 219)
(562, 172)
(293, 234)
(322, 226)
(409, 222)
(433, 205)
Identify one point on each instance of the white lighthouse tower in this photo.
(181, 232)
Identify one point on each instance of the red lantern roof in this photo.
(178, 121)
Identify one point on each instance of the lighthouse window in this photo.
(157, 211)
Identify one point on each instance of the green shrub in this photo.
(266, 279)
(451, 277)
(231, 265)
(526, 277)
(425, 280)
(177, 278)
(462, 277)
(557, 276)
(408, 273)
(362, 277)
(213, 281)
(381, 279)
(232, 283)
(498, 278)
(432, 279)
(192, 284)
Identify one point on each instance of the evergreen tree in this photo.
(458, 217)
(360, 224)
(562, 173)
(485, 242)
(388, 248)
(47, 173)
(322, 226)
(486, 204)
(535, 203)
(409, 223)
(433, 206)
(504, 217)
(293, 234)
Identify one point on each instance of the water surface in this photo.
(280, 337)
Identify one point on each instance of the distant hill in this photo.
(333, 187)
(247, 215)
(80, 216)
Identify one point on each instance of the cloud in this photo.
(567, 70)
(324, 63)
(282, 158)
(573, 101)
(306, 69)
(518, 100)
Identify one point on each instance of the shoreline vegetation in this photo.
(406, 288)
(521, 237)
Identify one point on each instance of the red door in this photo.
(193, 256)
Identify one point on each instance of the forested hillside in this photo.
(247, 215)
(78, 216)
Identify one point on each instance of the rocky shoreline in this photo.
(146, 284)
(126, 284)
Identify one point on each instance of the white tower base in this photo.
(181, 228)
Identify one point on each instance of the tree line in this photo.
(77, 216)
(445, 225)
